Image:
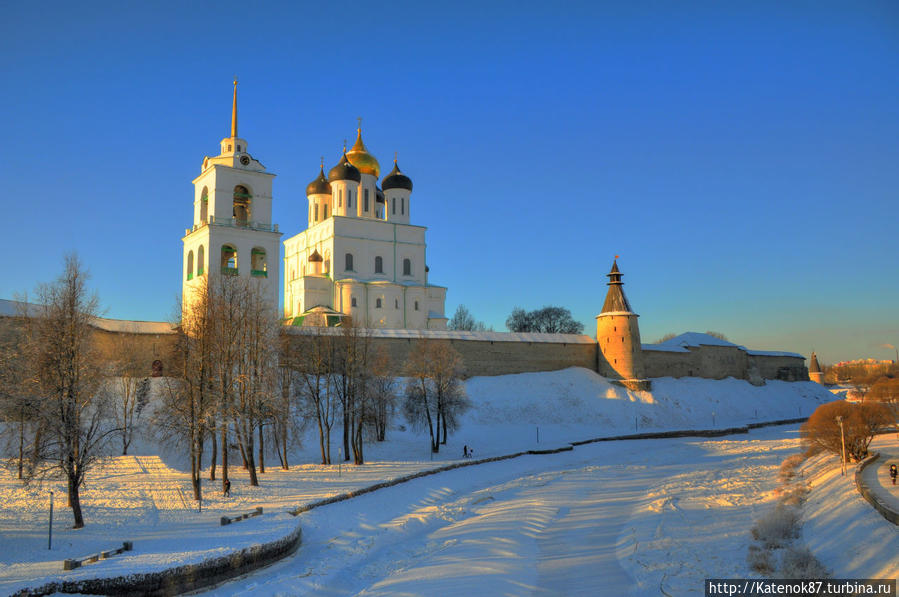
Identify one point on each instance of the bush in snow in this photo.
(799, 562)
(761, 560)
(777, 528)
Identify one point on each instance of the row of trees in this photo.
(547, 320)
(236, 377)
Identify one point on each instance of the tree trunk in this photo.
(261, 450)
(212, 460)
(346, 434)
(75, 503)
(224, 455)
(243, 450)
(21, 444)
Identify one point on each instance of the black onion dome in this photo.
(344, 171)
(319, 186)
(379, 195)
(396, 180)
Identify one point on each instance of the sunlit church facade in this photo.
(360, 256)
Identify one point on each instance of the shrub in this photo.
(778, 527)
(799, 562)
(860, 423)
(760, 560)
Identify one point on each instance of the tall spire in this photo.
(234, 111)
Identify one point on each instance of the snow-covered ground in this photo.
(145, 497)
(841, 528)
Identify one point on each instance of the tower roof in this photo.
(315, 257)
(813, 366)
(616, 301)
(319, 186)
(361, 159)
(344, 170)
(396, 179)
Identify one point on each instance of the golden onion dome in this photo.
(364, 161)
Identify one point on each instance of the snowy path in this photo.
(665, 513)
(878, 476)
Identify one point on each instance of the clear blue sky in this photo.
(741, 157)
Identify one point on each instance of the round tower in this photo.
(344, 179)
(397, 190)
(319, 194)
(620, 356)
(814, 370)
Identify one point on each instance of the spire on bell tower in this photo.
(234, 111)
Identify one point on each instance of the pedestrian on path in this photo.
(893, 473)
(227, 487)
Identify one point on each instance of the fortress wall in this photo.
(785, 367)
(481, 357)
(496, 357)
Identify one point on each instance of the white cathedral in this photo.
(359, 255)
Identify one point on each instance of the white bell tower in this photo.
(232, 232)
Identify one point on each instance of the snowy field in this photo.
(527, 505)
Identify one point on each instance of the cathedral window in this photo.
(402, 206)
(377, 303)
(325, 212)
(349, 199)
(201, 260)
(353, 302)
(365, 205)
(238, 147)
(394, 205)
(190, 265)
(416, 305)
(396, 303)
(241, 211)
(407, 267)
(340, 198)
(348, 266)
(316, 213)
(379, 265)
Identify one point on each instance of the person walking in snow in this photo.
(465, 451)
(893, 473)
(227, 487)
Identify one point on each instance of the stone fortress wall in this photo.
(490, 353)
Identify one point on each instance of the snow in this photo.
(841, 528)
(695, 339)
(640, 514)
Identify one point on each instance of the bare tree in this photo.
(860, 422)
(351, 380)
(463, 320)
(382, 388)
(127, 389)
(435, 396)
(190, 397)
(72, 414)
(310, 359)
(19, 396)
(548, 320)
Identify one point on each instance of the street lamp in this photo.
(843, 442)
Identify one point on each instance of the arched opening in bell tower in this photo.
(242, 201)
(204, 206)
(190, 265)
(259, 265)
(229, 260)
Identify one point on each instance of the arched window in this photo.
(396, 303)
(377, 303)
(365, 205)
(201, 261)
(416, 305)
(325, 211)
(204, 206)
(407, 267)
(393, 202)
(326, 266)
(316, 213)
(229, 260)
(348, 266)
(379, 265)
(190, 265)
(242, 200)
(258, 263)
(403, 205)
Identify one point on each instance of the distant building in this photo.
(814, 370)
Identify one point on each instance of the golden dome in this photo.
(364, 161)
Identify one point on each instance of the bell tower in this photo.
(232, 232)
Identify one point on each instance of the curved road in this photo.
(648, 517)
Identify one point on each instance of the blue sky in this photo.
(741, 157)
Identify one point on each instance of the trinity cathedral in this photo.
(359, 255)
